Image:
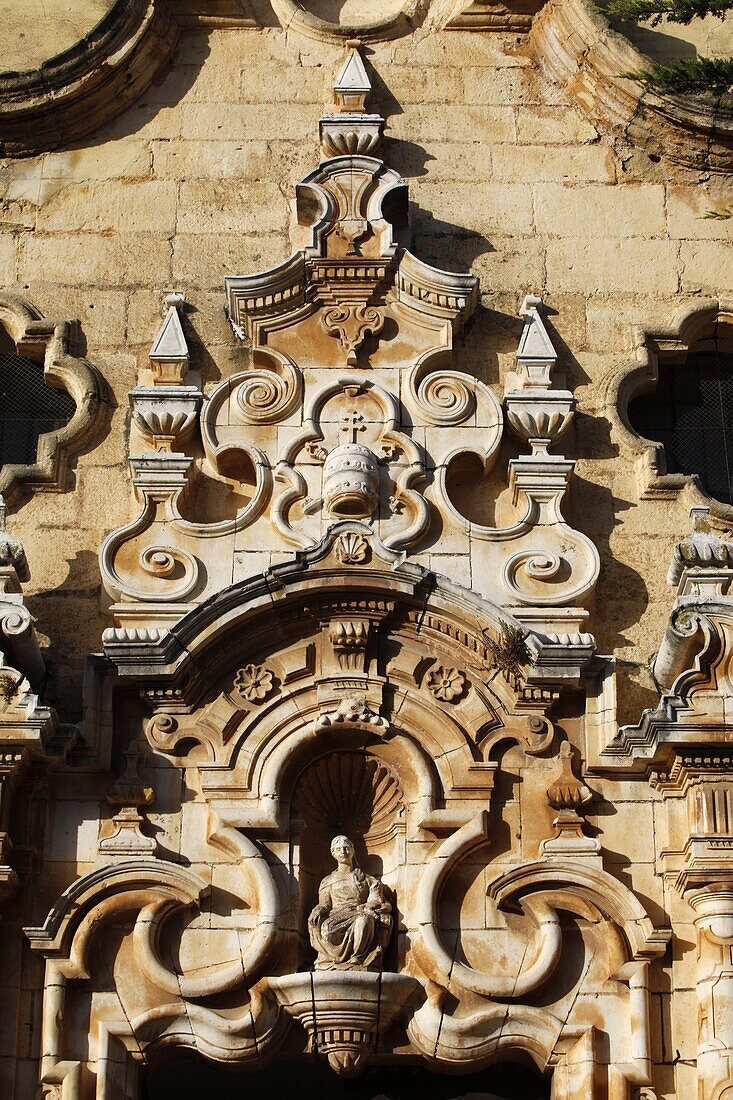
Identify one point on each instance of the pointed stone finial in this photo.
(169, 357)
(568, 795)
(536, 355)
(352, 88)
(352, 131)
(536, 412)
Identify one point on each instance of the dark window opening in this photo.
(28, 407)
(691, 414)
(191, 1077)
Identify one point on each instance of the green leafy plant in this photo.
(676, 11)
(691, 76)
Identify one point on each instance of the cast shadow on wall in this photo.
(73, 607)
(597, 509)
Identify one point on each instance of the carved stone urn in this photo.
(346, 1013)
(351, 482)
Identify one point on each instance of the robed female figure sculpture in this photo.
(350, 926)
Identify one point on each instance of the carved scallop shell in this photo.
(352, 548)
(348, 792)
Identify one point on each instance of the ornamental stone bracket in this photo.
(354, 407)
(693, 664)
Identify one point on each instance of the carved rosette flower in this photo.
(254, 683)
(446, 684)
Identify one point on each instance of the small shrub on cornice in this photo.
(510, 651)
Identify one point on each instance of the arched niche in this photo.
(351, 792)
(267, 671)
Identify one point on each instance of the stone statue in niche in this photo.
(351, 925)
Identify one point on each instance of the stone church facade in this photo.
(366, 614)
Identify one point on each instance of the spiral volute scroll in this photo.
(15, 620)
(446, 397)
(161, 562)
(264, 397)
(532, 565)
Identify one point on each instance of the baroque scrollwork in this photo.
(351, 325)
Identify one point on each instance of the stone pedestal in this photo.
(346, 1013)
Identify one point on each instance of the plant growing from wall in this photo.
(510, 651)
(689, 75)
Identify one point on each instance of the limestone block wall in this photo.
(510, 179)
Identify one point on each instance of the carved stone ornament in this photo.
(352, 549)
(568, 795)
(351, 482)
(327, 425)
(446, 684)
(349, 638)
(350, 926)
(354, 709)
(352, 324)
(254, 683)
(129, 796)
(53, 343)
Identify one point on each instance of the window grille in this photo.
(691, 414)
(28, 408)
